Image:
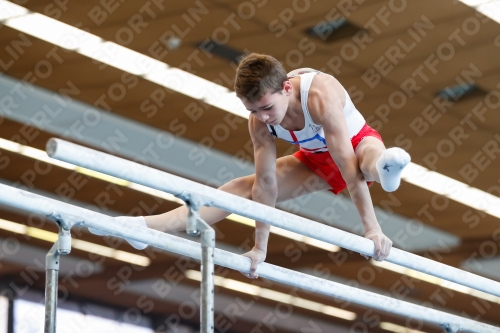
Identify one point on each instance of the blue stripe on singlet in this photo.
(317, 136)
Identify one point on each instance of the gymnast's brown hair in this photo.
(258, 74)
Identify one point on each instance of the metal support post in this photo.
(61, 246)
(194, 227)
(51, 276)
(207, 279)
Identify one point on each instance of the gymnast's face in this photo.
(272, 107)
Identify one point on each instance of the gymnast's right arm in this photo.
(265, 187)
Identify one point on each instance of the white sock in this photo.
(135, 220)
(389, 167)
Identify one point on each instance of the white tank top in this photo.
(312, 138)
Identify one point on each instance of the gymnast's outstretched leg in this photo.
(291, 175)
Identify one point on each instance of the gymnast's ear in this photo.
(287, 87)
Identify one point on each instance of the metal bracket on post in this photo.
(194, 227)
(194, 202)
(65, 221)
(61, 246)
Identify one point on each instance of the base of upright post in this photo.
(51, 286)
(207, 281)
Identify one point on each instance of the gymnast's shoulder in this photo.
(326, 97)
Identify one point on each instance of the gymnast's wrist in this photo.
(373, 229)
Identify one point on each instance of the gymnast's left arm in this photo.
(325, 102)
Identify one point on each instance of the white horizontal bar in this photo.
(45, 206)
(163, 181)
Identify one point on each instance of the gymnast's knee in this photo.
(241, 186)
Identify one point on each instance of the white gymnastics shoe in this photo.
(134, 220)
(389, 167)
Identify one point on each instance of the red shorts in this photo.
(324, 166)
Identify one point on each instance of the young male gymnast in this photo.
(338, 149)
